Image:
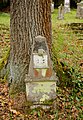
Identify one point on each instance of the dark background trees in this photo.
(73, 3)
(5, 5)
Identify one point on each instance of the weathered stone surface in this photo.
(60, 12)
(66, 6)
(40, 62)
(79, 13)
(52, 7)
(41, 79)
(41, 92)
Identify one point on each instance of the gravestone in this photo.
(79, 13)
(41, 79)
(52, 7)
(60, 12)
(66, 6)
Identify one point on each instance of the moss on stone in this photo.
(41, 88)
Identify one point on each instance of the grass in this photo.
(67, 52)
(66, 46)
(4, 38)
(5, 19)
(68, 18)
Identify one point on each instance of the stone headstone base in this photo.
(41, 93)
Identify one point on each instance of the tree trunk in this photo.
(29, 18)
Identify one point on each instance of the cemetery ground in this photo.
(67, 55)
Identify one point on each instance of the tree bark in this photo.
(29, 18)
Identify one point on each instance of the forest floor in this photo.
(69, 100)
(66, 108)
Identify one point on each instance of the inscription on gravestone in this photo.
(40, 58)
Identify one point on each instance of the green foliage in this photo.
(68, 18)
(67, 52)
(4, 60)
(4, 43)
(5, 19)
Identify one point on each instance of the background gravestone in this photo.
(52, 7)
(79, 13)
(60, 12)
(66, 6)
